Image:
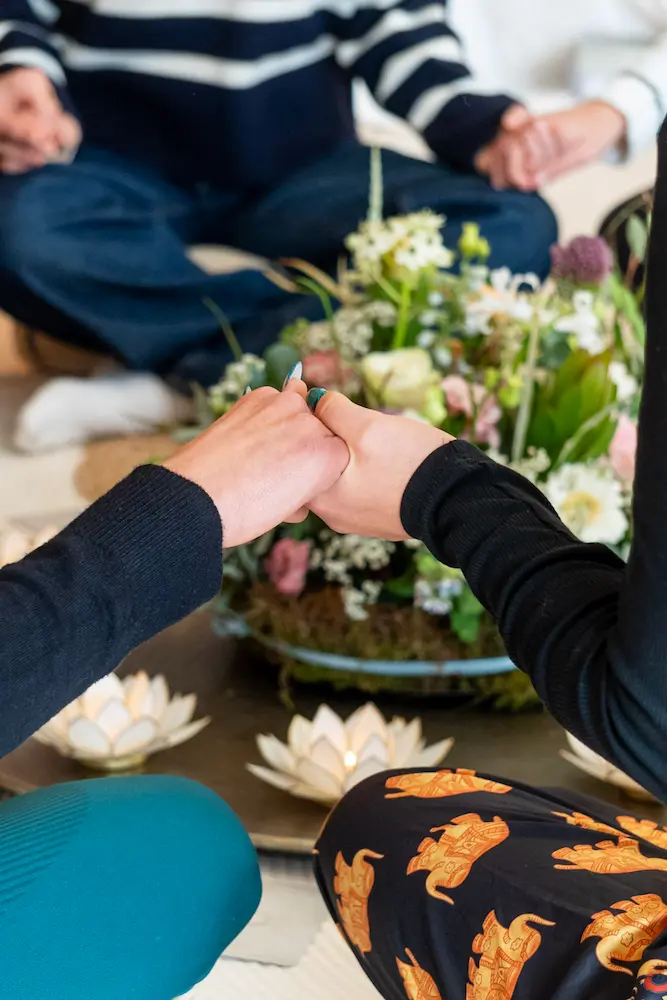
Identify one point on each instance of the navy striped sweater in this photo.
(238, 93)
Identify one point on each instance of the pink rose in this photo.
(326, 369)
(457, 395)
(623, 449)
(287, 566)
(488, 415)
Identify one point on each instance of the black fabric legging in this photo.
(450, 885)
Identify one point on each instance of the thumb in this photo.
(339, 414)
(515, 118)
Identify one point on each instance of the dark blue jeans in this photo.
(94, 253)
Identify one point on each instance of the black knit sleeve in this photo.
(590, 631)
(139, 559)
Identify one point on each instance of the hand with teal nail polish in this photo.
(295, 372)
(263, 462)
(313, 398)
(385, 452)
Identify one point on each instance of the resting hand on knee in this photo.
(34, 127)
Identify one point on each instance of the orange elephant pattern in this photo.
(504, 951)
(625, 936)
(441, 784)
(419, 985)
(353, 884)
(587, 823)
(608, 858)
(449, 860)
(645, 829)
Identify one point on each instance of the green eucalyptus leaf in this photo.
(636, 233)
(280, 359)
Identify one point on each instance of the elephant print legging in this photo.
(452, 885)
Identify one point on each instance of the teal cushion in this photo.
(126, 888)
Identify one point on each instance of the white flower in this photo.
(429, 318)
(502, 298)
(590, 502)
(324, 758)
(591, 763)
(117, 724)
(435, 299)
(237, 375)
(338, 556)
(626, 384)
(404, 243)
(436, 597)
(398, 380)
(533, 465)
(583, 323)
(426, 339)
(356, 600)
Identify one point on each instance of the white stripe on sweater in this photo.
(194, 68)
(400, 67)
(36, 59)
(428, 105)
(393, 22)
(250, 11)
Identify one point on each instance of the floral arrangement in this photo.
(542, 376)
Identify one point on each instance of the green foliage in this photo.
(465, 618)
(578, 395)
(280, 358)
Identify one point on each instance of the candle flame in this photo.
(350, 760)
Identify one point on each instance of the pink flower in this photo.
(326, 369)
(623, 449)
(287, 566)
(457, 395)
(488, 416)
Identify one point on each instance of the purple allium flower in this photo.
(586, 260)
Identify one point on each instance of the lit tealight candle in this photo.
(350, 760)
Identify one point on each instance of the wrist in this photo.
(610, 120)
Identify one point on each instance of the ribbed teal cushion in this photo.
(127, 888)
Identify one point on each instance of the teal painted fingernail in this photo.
(313, 398)
(296, 371)
(247, 390)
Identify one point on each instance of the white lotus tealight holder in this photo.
(324, 758)
(591, 762)
(115, 725)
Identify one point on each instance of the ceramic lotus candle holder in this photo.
(591, 762)
(116, 725)
(324, 758)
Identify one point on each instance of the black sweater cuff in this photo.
(163, 534)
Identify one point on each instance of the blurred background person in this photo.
(199, 122)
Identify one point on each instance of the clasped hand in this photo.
(270, 459)
(529, 151)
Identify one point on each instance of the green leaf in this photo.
(636, 233)
(466, 627)
(280, 359)
(403, 586)
(571, 372)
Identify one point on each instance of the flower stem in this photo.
(376, 195)
(403, 317)
(230, 336)
(527, 391)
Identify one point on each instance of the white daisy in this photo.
(583, 323)
(590, 502)
(626, 384)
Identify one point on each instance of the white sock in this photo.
(69, 411)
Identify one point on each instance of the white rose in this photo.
(398, 380)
